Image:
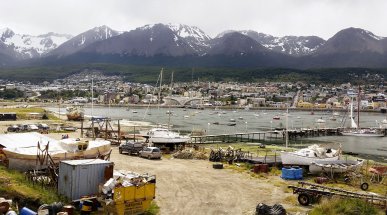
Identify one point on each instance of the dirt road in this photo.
(194, 187)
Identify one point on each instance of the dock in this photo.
(229, 138)
(293, 134)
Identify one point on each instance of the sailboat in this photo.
(161, 135)
(355, 129)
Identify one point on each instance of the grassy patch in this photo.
(153, 209)
(337, 206)
(13, 185)
(24, 113)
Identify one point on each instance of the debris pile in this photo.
(190, 154)
(227, 155)
(263, 209)
(128, 191)
(125, 179)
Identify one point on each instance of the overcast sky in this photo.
(277, 17)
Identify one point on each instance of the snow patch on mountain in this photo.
(28, 46)
(292, 45)
(194, 36)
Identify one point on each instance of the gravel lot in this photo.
(194, 187)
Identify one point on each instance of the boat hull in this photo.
(289, 158)
(166, 140)
(362, 134)
(23, 162)
(338, 166)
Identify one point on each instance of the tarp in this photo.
(25, 140)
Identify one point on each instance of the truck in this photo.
(131, 147)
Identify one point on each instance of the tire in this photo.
(304, 199)
(217, 166)
(364, 186)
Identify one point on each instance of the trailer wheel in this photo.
(304, 199)
(364, 186)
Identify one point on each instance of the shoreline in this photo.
(229, 107)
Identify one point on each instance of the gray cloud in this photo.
(278, 17)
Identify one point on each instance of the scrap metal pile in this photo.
(230, 155)
(190, 154)
(128, 192)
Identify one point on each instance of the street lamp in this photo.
(246, 126)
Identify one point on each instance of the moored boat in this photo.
(336, 166)
(362, 133)
(305, 156)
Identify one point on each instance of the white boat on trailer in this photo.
(165, 136)
(337, 166)
(305, 156)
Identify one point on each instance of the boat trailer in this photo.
(310, 192)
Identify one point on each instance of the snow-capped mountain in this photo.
(84, 39)
(193, 35)
(149, 40)
(27, 46)
(292, 45)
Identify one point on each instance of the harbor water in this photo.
(213, 122)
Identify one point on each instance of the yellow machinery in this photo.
(131, 199)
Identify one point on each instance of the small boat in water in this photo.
(276, 117)
(337, 166)
(305, 156)
(362, 133)
(320, 120)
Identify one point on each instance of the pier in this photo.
(275, 134)
(229, 138)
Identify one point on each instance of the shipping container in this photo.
(79, 178)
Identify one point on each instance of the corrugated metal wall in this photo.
(81, 178)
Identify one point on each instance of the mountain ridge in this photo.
(162, 44)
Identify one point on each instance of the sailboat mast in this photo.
(92, 96)
(286, 131)
(358, 108)
(161, 80)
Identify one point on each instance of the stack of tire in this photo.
(263, 209)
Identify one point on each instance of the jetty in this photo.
(293, 134)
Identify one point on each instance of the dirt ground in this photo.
(194, 187)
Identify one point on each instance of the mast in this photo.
(161, 80)
(92, 96)
(286, 131)
(358, 108)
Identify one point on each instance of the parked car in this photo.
(130, 147)
(43, 127)
(31, 127)
(13, 128)
(150, 152)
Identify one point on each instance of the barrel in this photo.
(87, 207)
(292, 173)
(69, 209)
(27, 211)
(4, 206)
